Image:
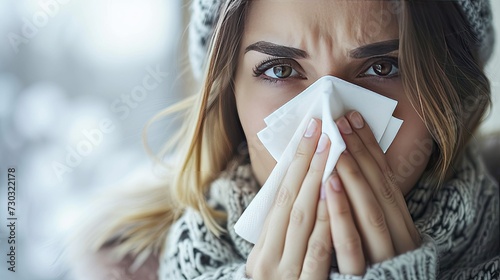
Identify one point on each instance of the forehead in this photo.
(339, 23)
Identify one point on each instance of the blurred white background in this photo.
(78, 81)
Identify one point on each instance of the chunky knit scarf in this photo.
(459, 225)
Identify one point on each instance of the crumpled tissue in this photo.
(327, 99)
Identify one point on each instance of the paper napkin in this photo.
(327, 99)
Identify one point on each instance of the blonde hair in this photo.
(436, 77)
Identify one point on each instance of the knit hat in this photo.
(205, 15)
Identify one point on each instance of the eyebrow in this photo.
(276, 50)
(375, 49)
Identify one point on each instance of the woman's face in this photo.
(288, 45)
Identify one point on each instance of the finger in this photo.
(369, 216)
(372, 145)
(316, 264)
(287, 193)
(257, 248)
(303, 214)
(346, 239)
(366, 135)
(372, 161)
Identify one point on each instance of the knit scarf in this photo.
(458, 222)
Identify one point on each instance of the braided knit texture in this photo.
(480, 19)
(204, 16)
(459, 226)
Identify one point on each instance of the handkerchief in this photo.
(327, 99)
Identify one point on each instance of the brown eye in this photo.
(278, 69)
(383, 68)
(282, 71)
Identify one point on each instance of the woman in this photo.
(426, 209)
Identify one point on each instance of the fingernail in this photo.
(311, 128)
(335, 183)
(356, 120)
(322, 194)
(344, 126)
(322, 143)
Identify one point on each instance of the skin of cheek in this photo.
(410, 151)
(252, 111)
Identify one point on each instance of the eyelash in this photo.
(270, 63)
(379, 60)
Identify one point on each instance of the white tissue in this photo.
(327, 99)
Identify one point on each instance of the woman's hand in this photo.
(296, 241)
(368, 215)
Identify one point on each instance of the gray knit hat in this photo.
(205, 14)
